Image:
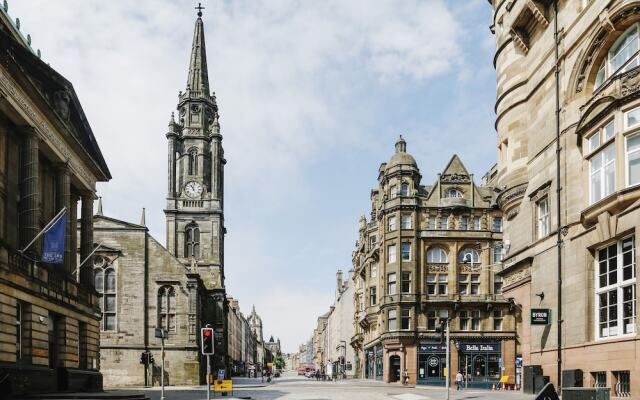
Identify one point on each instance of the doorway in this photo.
(394, 369)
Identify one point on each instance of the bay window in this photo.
(391, 283)
(405, 222)
(615, 289)
(391, 253)
(392, 320)
(633, 159)
(602, 173)
(406, 251)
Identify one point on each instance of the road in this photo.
(293, 387)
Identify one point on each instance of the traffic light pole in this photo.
(208, 377)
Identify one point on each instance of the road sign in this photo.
(220, 374)
(206, 340)
(540, 316)
(223, 386)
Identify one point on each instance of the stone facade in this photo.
(319, 343)
(597, 80)
(242, 341)
(255, 324)
(339, 358)
(429, 254)
(143, 287)
(49, 160)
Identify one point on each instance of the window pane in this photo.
(109, 322)
(633, 117)
(608, 131)
(633, 157)
(431, 278)
(98, 280)
(110, 283)
(594, 141)
(110, 302)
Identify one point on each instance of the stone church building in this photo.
(180, 287)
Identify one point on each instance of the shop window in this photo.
(633, 159)
(405, 319)
(406, 251)
(406, 282)
(437, 255)
(475, 320)
(391, 223)
(391, 253)
(497, 320)
(616, 289)
(392, 319)
(542, 217)
(623, 383)
(373, 296)
(405, 222)
(391, 283)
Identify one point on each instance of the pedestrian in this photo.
(405, 377)
(459, 380)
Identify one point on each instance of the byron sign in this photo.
(540, 316)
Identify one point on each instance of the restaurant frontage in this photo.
(374, 362)
(481, 363)
(432, 363)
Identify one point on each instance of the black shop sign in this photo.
(431, 348)
(480, 347)
(540, 316)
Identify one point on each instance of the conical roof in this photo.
(198, 79)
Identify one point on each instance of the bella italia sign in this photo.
(540, 316)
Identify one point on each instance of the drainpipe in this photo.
(558, 190)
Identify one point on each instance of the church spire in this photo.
(198, 79)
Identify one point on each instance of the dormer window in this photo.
(404, 190)
(454, 193)
(623, 56)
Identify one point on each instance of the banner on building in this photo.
(53, 248)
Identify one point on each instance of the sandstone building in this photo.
(255, 324)
(598, 180)
(241, 339)
(49, 159)
(428, 253)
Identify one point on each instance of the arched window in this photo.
(104, 280)
(193, 162)
(621, 57)
(167, 308)
(404, 190)
(437, 254)
(192, 240)
(454, 193)
(469, 255)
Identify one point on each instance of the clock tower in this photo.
(195, 195)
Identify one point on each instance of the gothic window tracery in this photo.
(454, 193)
(193, 161)
(192, 240)
(167, 308)
(104, 280)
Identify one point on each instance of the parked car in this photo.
(301, 371)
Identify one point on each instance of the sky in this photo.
(312, 97)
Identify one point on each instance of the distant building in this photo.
(242, 340)
(427, 255)
(49, 160)
(255, 324)
(339, 354)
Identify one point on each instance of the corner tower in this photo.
(194, 212)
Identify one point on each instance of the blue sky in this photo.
(312, 97)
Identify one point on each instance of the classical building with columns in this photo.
(49, 159)
(427, 254)
(570, 187)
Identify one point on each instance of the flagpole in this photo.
(77, 271)
(53, 221)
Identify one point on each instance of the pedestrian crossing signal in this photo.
(206, 341)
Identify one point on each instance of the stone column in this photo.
(86, 237)
(171, 170)
(215, 166)
(73, 226)
(29, 189)
(63, 199)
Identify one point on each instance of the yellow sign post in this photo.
(223, 386)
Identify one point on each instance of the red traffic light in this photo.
(206, 332)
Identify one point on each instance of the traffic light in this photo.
(151, 360)
(206, 340)
(442, 329)
(144, 358)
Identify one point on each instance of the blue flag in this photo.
(53, 250)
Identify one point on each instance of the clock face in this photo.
(193, 189)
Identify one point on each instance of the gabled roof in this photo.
(104, 222)
(455, 166)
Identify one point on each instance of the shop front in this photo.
(432, 362)
(373, 363)
(481, 363)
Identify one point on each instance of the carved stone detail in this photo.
(455, 178)
(537, 13)
(516, 276)
(437, 267)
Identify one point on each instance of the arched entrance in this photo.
(394, 369)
